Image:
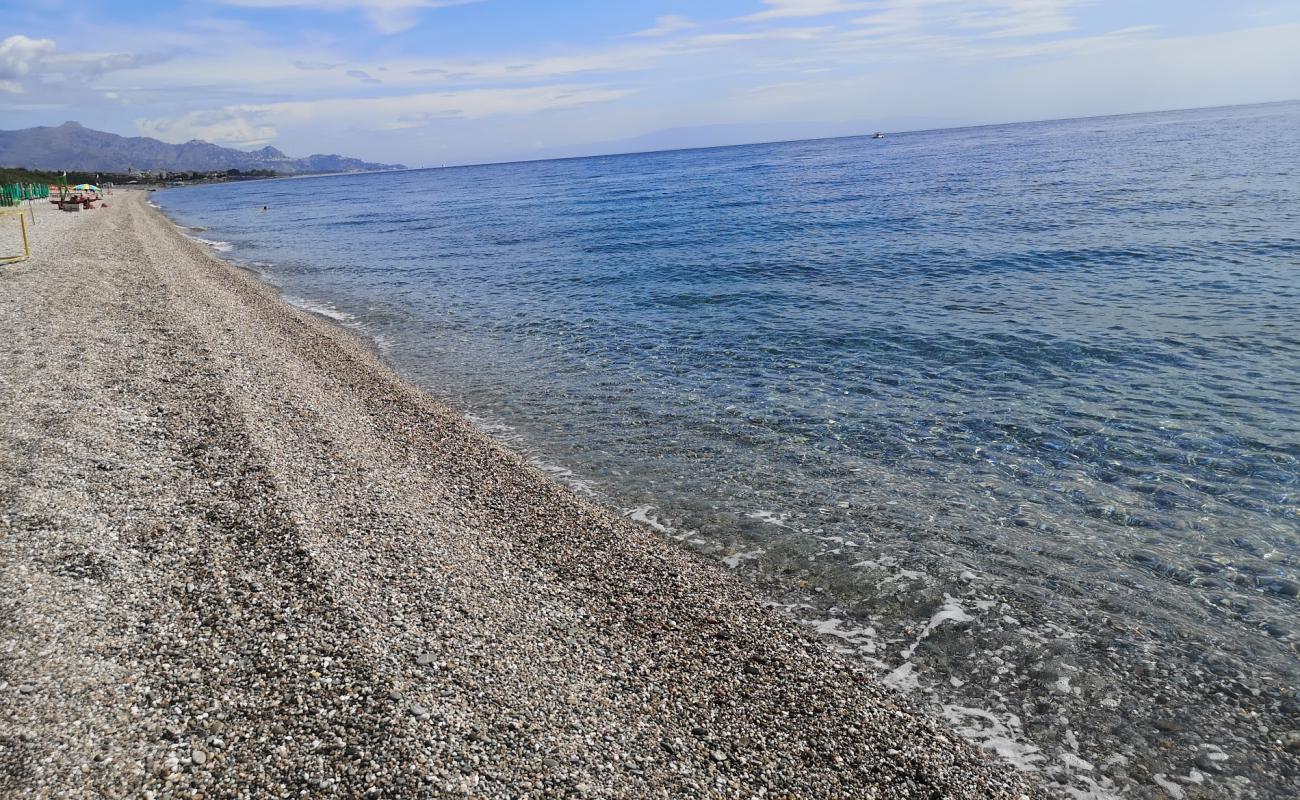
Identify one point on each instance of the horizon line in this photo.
(914, 131)
(818, 138)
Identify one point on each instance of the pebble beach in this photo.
(241, 557)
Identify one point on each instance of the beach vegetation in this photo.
(22, 175)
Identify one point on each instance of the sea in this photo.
(1008, 415)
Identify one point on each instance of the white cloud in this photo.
(23, 58)
(241, 72)
(1071, 45)
(388, 16)
(467, 104)
(947, 61)
(259, 72)
(1126, 70)
(253, 125)
(665, 25)
(362, 75)
(18, 54)
(315, 65)
(237, 126)
(87, 66)
(987, 18)
(769, 35)
(1007, 18)
(785, 9)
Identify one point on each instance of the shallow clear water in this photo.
(1012, 413)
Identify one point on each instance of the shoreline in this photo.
(979, 555)
(242, 555)
(498, 430)
(221, 250)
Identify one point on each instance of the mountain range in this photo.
(72, 146)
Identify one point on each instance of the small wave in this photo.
(323, 309)
(220, 247)
(647, 515)
(994, 733)
(643, 515)
(565, 476)
(778, 518)
(384, 344)
(510, 436)
(735, 559)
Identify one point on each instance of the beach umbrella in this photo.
(86, 187)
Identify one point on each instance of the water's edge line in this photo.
(498, 430)
(485, 427)
(220, 255)
(639, 515)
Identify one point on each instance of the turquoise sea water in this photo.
(1010, 414)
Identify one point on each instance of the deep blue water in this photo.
(1010, 413)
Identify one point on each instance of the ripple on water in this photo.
(1007, 414)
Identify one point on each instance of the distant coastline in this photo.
(72, 146)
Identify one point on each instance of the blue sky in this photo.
(428, 82)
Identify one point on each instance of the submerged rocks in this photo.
(1280, 586)
(1211, 760)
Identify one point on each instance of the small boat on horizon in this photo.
(878, 135)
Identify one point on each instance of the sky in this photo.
(431, 82)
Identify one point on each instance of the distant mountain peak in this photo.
(72, 146)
